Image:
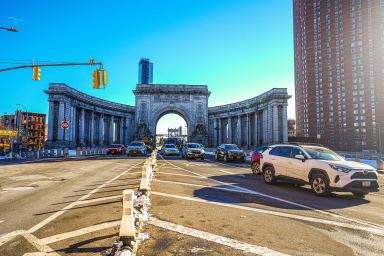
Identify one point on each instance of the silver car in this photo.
(169, 150)
(137, 148)
(193, 151)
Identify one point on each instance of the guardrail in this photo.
(135, 210)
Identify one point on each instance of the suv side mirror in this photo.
(300, 157)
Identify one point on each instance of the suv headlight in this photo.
(203, 151)
(340, 168)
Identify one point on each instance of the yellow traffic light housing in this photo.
(96, 79)
(104, 77)
(36, 73)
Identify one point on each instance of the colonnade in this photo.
(252, 127)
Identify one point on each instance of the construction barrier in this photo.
(128, 230)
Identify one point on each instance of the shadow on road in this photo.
(251, 189)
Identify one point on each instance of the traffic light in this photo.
(104, 77)
(96, 79)
(36, 73)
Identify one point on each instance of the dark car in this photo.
(255, 159)
(230, 152)
(116, 149)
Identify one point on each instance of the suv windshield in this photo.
(233, 147)
(170, 146)
(137, 144)
(193, 146)
(323, 154)
(115, 146)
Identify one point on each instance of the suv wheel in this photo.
(255, 168)
(359, 194)
(320, 185)
(269, 175)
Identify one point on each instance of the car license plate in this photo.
(366, 184)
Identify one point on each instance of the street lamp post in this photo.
(10, 29)
(26, 124)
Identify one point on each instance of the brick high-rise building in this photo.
(339, 72)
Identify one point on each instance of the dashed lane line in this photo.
(283, 200)
(76, 233)
(247, 248)
(371, 230)
(66, 208)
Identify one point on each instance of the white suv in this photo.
(318, 166)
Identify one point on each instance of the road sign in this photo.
(64, 124)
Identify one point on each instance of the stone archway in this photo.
(169, 110)
(189, 101)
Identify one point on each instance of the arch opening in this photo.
(171, 127)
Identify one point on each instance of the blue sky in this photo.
(238, 48)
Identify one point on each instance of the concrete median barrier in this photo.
(127, 231)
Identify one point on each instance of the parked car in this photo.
(255, 159)
(137, 148)
(230, 152)
(193, 151)
(323, 169)
(169, 150)
(116, 149)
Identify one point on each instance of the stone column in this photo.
(111, 126)
(121, 133)
(127, 134)
(101, 129)
(215, 132)
(239, 131)
(82, 126)
(220, 131)
(265, 127)
(72, 124)
(60, 131)
(247, 131)
(275, 123)
(256, 130)
(229, 130)
(51, 119)
(285, 123)
(92, 130)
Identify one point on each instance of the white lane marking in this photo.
(89, 201)
(372, 230)
(203, 186)
(235, 174)
(234, 165)
(42, 248)
(1, 221)
(66, 208)
(18, 188)
(247, 248)
(9, 236)
(79, 232)
(177, 174)
(284, 200)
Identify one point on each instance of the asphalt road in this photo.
(198, 207)
(195, 201)
(49, 198)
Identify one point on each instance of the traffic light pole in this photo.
(55, 65)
